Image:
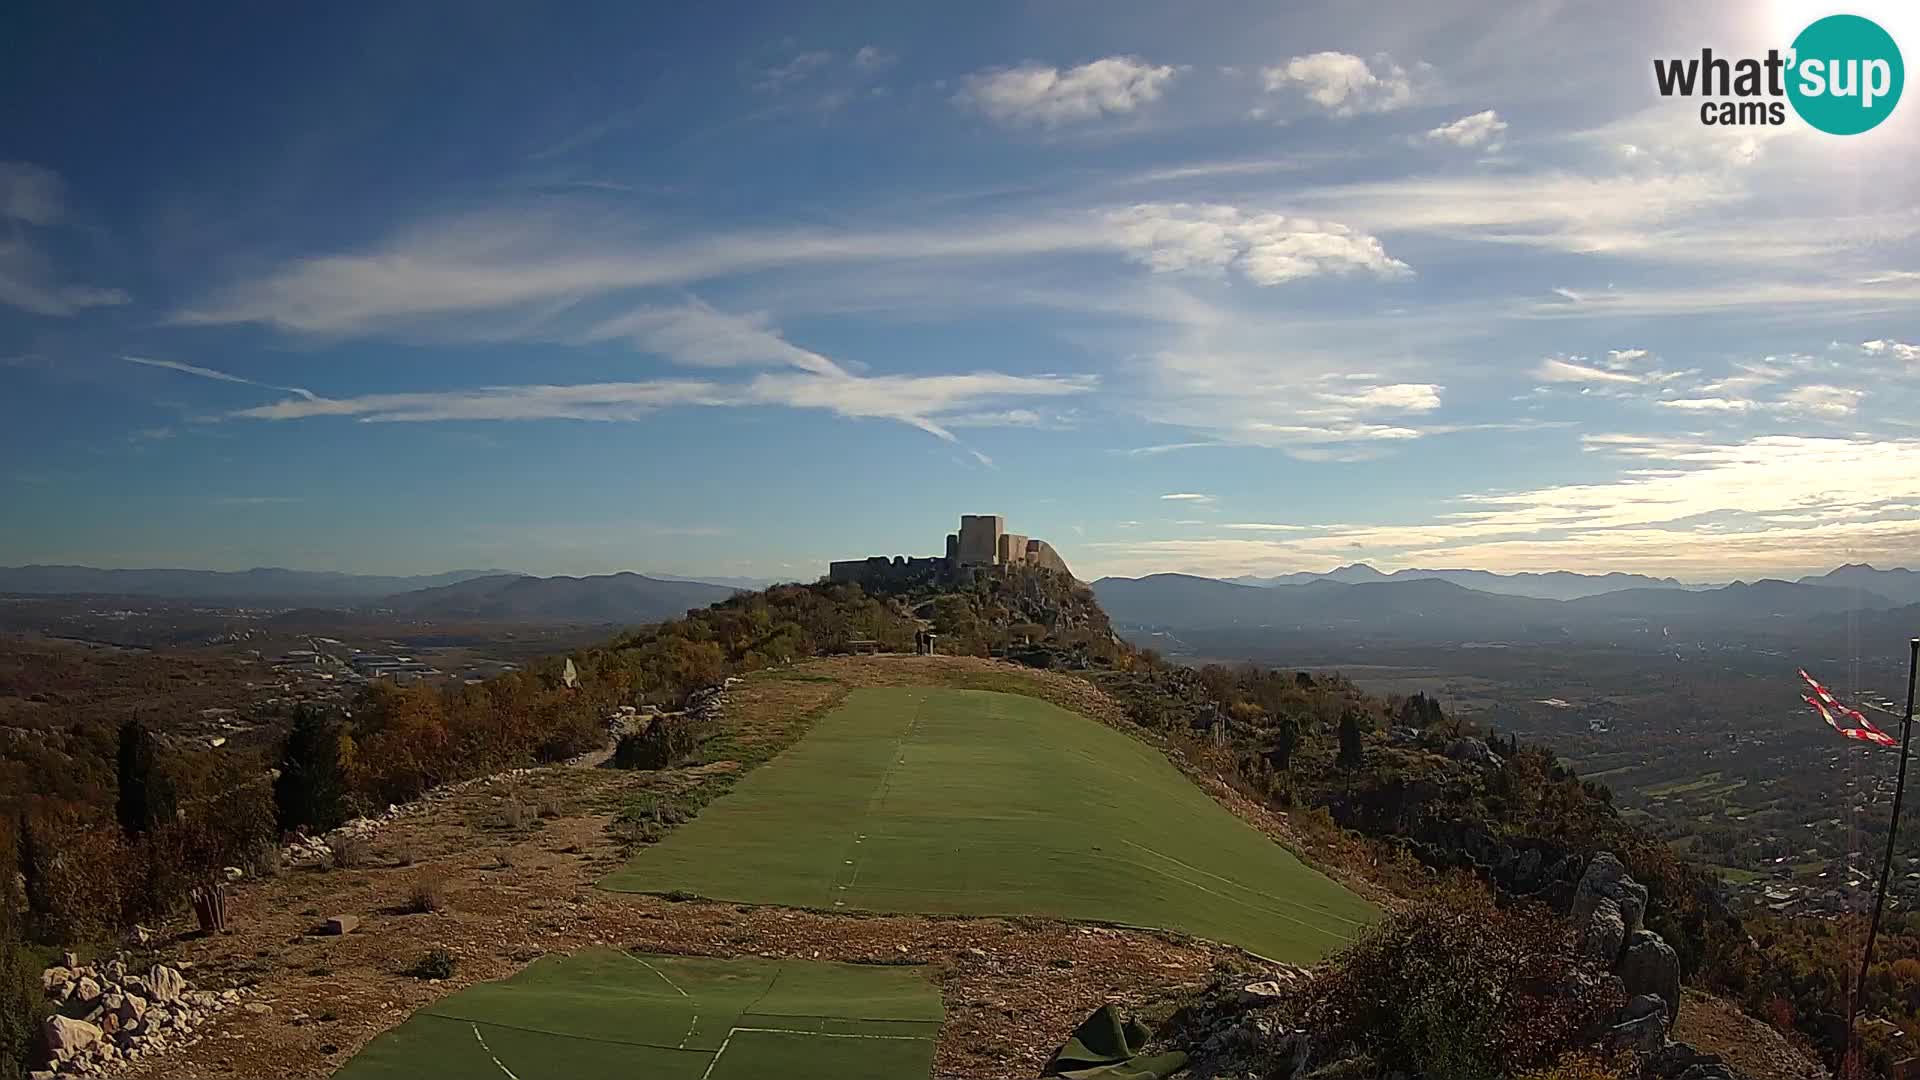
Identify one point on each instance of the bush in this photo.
(549, 807)
(22, 1007)
(428, 894)
(1457, 989)
(438, 963)
(667, 741)
(350, 852)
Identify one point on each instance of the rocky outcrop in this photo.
(1473, 751)
(106, 1017)
(1606, 882)
(1650, 966)
(1678, 1061)
(1609, 917)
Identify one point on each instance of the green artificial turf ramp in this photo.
(605, 1014)
(980, 803)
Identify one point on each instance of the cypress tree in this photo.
(146, 798)
(311, 790)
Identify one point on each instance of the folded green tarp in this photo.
(1105, 1047)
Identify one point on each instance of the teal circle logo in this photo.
(1847, 75)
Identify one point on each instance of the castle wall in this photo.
(982, 544)
(1011, 549)
(1040, 553)
(980, 539)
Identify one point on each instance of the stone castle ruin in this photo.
(983, 545)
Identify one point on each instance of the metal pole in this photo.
(1893, 832)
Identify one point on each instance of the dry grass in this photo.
(428, 893)
(350, 852)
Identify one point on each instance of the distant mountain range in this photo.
(612, 598)
(1556, 585)
(1433, 607)
(267, 585)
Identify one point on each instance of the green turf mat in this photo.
(610, 1014)
(779, 1055)
(978, 803)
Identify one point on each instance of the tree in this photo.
(1351, 751)
(146, 795)
(311, 790)
(1286, 738)
(33, 876)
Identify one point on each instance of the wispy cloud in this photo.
(919, 401)
(1037, 94)
(1686, 506)
(219, 376)
(1188, 497)
(1557, 370)
(32, 197)
(1482, 130)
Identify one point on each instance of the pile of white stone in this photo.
(107, 1016)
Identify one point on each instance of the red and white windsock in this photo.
(1826, 705)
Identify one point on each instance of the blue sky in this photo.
(1229, 288)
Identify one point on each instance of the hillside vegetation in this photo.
(1395, 792)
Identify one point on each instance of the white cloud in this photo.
(696, 335)
(1828, 401)
(1482, 129)
(1553, 369)
(873, 58)
(1769, 504)
(219, 376)
(33, 197)
(1268, 249)
(1188, 496)
(28, 282)
(919, 401)
(1344, 84)
(1394, 397)
(1708, 404)
(30, 193)
(1049, 96)
(1896, 349)
(795, 71)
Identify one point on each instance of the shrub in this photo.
(549, 807)
(437, 963)
(666, 741)
(1581, 1067)
(514, 815)
(428, 893)
(312, 789)
(1457, 989)
(22, 1008)
(350, 852)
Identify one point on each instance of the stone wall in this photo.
(980, 539)
(1041, 554)
(1013, 549)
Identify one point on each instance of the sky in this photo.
(1231, 288)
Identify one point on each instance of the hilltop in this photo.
(1394, 798)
